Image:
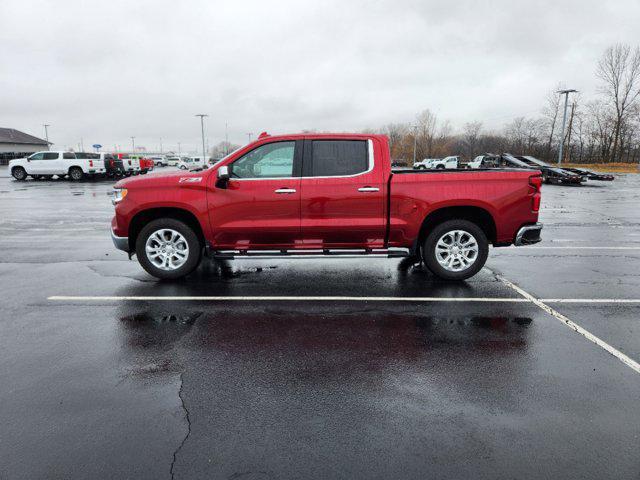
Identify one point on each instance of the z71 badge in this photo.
(190, 179)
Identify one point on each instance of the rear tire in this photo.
(168, 249)
(19, 173)
(440, 167)
(76, 174)
(455, 249)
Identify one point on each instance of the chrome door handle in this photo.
(368, 189)
(285, 190)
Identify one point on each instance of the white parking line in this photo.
(206, 298)
(572, 325)
(271, 298)
(591, 300)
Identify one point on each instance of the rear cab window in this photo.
(336, 158)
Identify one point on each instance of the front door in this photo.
(342, 199)
(35, 164)
(259, 208)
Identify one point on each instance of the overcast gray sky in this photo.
(107, 70)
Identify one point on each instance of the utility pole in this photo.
(160, 145)
(249, 135)
(46, 131)
(81, 144)
(178, 148)
(202, 115)
(133, 144)
(415, 141)
(564, 120)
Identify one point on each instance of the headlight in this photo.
(118, 195)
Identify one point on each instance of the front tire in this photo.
(168, 249)
(455, 250)
(19, 173)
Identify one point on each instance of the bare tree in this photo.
(426, 133)
(619, 70)
(550, 113)
(471, 137)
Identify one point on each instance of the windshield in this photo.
(225, 157)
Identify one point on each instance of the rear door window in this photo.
(68, 155)
(338, 158)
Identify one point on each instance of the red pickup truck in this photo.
(326, 194)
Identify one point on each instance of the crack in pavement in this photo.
(186, 415)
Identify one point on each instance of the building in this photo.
(16, 144)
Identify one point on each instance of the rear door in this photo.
(342, 195)
(260, 206)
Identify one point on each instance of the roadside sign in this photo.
(97, 145)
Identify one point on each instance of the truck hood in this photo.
(168, 179)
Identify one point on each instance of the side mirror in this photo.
(223, 177)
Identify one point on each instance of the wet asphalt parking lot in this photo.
(396, 381)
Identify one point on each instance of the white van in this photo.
(193, 163)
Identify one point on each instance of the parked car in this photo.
(450, 162)
(47, 164)
(487, 160)
(160, 161)
(193, 163)
(112, 164)
(324, 194)
(131, 165)
(145, 163)
(588, 174)
(173, 160)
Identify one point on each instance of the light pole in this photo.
(160, 145)
(249, 135)
(178, 148)
(46, 131)
(202, 115)
(564, 121)
(415, 142)
(133, 144)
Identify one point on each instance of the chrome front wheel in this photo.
(167, 249)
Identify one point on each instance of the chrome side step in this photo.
(345, 253)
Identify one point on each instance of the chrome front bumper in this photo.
(528, 235)
(121, 243)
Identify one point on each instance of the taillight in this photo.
(91, 163)
(535, 182)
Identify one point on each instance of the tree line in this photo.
(605, 128)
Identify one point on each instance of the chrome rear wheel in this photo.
(456, 250)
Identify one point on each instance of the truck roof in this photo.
(300, 136)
